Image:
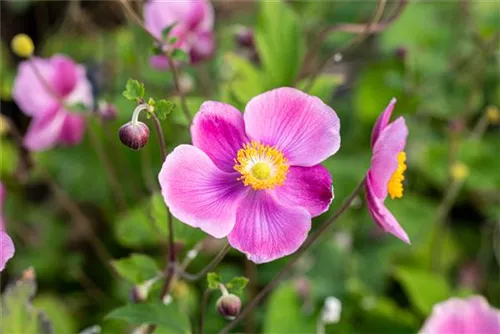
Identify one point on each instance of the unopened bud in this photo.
(459, 171)
(134, 135)
(106, 111)
(493, 114)
(401, 53)
(22, 45)
(245, 37)
(229, 306)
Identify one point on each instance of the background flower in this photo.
(6, 245)
(194, 21)
(467, 316)
(65, 84)
(264, 203)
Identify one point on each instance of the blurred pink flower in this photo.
(68, 85)
(463, 316)
(255, 178)
(385, 176)
(194, 21)
(6, 245)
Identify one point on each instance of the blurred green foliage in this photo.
(438, 59)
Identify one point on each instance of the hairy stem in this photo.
(255, 301)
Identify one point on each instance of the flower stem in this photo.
(255, 301)
(160, 135)
(175, 75)
(216, 260)
(204, 301)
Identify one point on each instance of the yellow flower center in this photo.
(22, 45)
(261, 166)
(395, 185)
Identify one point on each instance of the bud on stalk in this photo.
(135, 134)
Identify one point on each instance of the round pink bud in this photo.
(107, 111)
(229, 306)
(134, 135)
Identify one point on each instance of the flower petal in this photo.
(302, 126)
(198, 193)
(308, 187)
(7, 249)
(44, 132)
(219, 131)
(30, 94)
(72, 130)
(382, 121)
(266, 230)
(65, 75)
(382, 216)
(391, 141)
(203, 47)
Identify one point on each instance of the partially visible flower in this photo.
(7, 248)
(255, 178)
(194, 22)
(229, 306)
(471, 275)
(64, 84)
(463, 316)
(106, 111)
(22, 45)
(386, 173)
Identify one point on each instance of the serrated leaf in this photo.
(237, 285)
(18, 315)
(156, 50)
(166, 31)
(214, 280)
(167, 316)
(180, 55)
(134, 90)
(173, 40)
(137, 268)
(163, 108)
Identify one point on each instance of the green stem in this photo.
(216, 260)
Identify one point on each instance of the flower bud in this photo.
(245, 37)
(229, 306)
(106, 111)
(134, 135)
(22, 45)
(401, 53)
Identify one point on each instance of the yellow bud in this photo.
(22, 45)
(4, 125)
(459, 171)
(493, 114)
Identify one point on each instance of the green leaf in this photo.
(173, 40)
(180, 55)
(79, 107)
(167, 316)
(163, 108)
(18, 315)
(214, 280)
(424, 289)
(280, 43)
(237, 285)
(246, 80)
(58, 312)
(166, 31)
(134, 90)
(137, 268)
(323, 87)
(284, 315)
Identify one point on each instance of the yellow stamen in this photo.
(22, 45)
(395, 185)
(261, 166)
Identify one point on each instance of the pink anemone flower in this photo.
(194, 22)
(65, 84)
(463, 316)
(255, 178)
(6, 245)
(385, 176)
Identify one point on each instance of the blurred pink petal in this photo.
(301, 125)
(7, 249)
(463, 316)
(266, 230)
